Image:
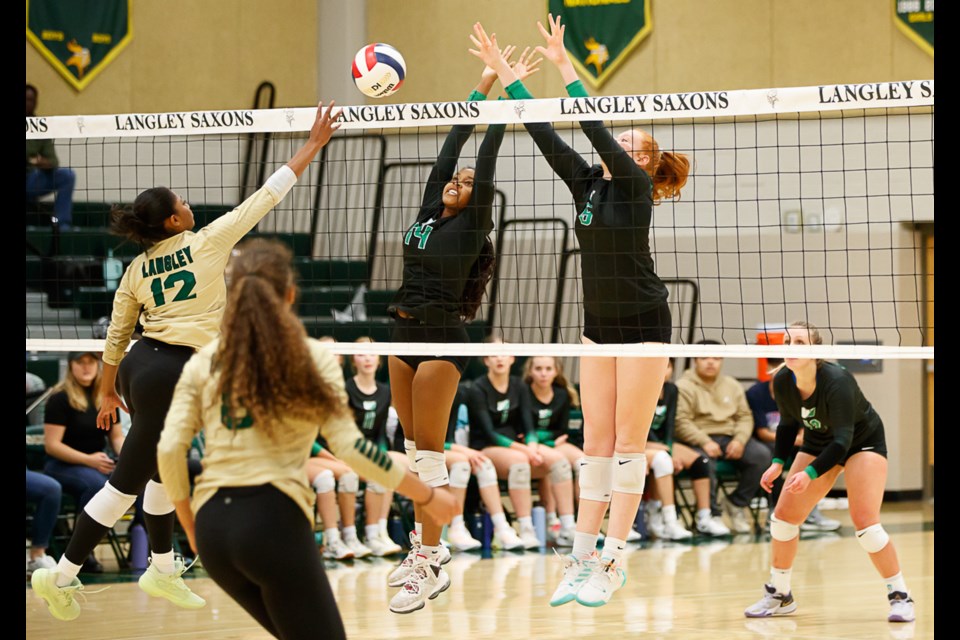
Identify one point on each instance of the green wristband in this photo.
(778, 461)
(810, 471)
(576, 90)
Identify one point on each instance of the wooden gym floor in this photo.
(673, 590)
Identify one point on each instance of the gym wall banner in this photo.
(80, 37)
(600, 34)
(915, 19)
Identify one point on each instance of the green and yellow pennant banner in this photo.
(600, 34)
(79, 37)
(915, 19)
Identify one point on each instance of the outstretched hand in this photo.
(526, 66)
(489, 74)
(555, 52)
(324, 124)
(486, 48)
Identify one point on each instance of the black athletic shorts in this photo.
(650, 326)
(875, 442)
(414, 330)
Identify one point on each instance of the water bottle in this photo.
(640, 522)
(112, 271)
(487, 536)
(395, 529)
(540, 524)
(475, 525)
(138, 547)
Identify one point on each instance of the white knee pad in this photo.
(783, 531)
(411, 449)
(324, 482)
(519, 476)
(873, 538)
(487, 475)
(109, 505)
(155, 500)
(560, 471)
(662, 464)
(373, 487)
(459, 475)
(432, 468)
(348, 483)
(629, 472)
(596, 478)
(576, 467)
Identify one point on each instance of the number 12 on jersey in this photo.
(187, 280)
(419, 231)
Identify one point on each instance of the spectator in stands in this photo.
(44, 173)
(75, 447)
(667, 458)
(502, 428)
(462, 461)
(74, 444)
(766, 417)
(714, 417)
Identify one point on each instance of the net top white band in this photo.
(657, 106)
(826, 351)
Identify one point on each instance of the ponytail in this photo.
(670, 175)
(143, 221)
(266, 368)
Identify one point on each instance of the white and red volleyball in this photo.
(378, 70)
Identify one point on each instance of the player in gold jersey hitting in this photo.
(176, 288)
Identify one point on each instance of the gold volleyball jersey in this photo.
(176, 287)
(240, 455)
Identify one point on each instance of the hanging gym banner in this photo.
(601, 34)
(80, 37)
(915, 19)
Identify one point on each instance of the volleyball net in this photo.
(803, 203)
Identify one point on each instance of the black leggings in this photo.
(257, 544)
(147, 378)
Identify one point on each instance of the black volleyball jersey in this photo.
(439, 253)
(614, 217)
(370, 411)
(665, 416)
(551, 419)
(499, 419)
(837, 416)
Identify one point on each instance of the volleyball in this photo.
(378, 70)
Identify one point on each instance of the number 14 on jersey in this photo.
(419, 231)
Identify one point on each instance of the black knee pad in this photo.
(700, 468)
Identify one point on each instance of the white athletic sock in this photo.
(383, 525)
(432, 554)
(350, 533)
(552, 518)
(418, 527)
(704, 514)
(894, 583)
(613, 549)
(584, 544)
(499, 521)
(526, 522)
(331, 535)
(163, 561)
(669, 512)
(780, 579)
(372, 531)
(66, 571)
(457, 521)
(567, 521)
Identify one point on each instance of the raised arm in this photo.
(625, 171)
(226, 231)
(565, 162)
